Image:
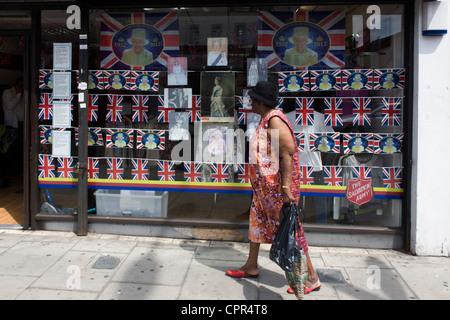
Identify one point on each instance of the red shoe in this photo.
(240, 274)
(316, 287)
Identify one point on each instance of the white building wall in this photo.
(430, 232)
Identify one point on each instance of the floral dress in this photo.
(265, 177)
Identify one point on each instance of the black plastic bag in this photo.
(282, 251)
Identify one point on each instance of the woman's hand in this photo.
(288, 198)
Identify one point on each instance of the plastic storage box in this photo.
(131, 203)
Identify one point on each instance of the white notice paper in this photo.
(62, 56)
(61, 144)
(62, 85)
(61, 114)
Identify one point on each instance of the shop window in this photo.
(168, 85)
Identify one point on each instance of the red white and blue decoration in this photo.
(114, 169)
(333, 112)
(387, 143)
(391, 112)
(139, 169)
(193, 171)
(93, 168)
(362, 109)
(325, 80)
(357, 143)
(150, 139)
(327, 142)
(166, 171)
(93, 107)
(65, 168)
(219, 172)
(387, 79)
(144, 80)
(304, 111)
(114, 108)
(392, 177)
(46, 167)
(119, 138)
(307, 175)
(333, 176)
(357, 79)
(139, 108)
(293, 81)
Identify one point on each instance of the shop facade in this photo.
(138, 120)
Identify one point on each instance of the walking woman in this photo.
(275, 179)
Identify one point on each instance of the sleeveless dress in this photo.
(265, 177)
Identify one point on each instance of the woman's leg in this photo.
(251, 266)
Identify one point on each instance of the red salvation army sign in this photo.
(359, 191)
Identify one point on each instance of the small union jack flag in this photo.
(388, 79)
(324, 142)
(157, 139)
(391, 112)
(351, 144)
(244, 173)
(195, 112)
(93, 168)
(392, 178)
(325, 80)
(219, 172)
(144, 80)
(301, 143)
(44, 77)
(114, 168)
(362, 108)
(357, 79)
(333, 176)
(46, 167)
(65, 168)
(192, 172)
(307, 175)
(361, 172)
(95, 136)
(95, 79)
(116, 80)
(333, 112)
(114, 108)
(304, 111)
(139, 170)
(166, 172)
(293, 81)
(46, 106)
(280, 103)
(387, 143)
(139, 108)
(119, 138)
(163, 112)
(93, 107)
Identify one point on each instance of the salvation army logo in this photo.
(151, 141)
(137, 45)
(301, 44)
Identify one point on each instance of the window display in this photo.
(159, 92)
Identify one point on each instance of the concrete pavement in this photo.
(61, 265)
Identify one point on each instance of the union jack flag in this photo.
(324, 142)
(304, 111)
(65, 168)
(139, 108)
(380, 141)
(97, 82)
(361, 172)
(46, 167)
(44, 77)
(332, 22)
(46, 106)
(243, 115)
(93, 107)
(391, 112)
(284, 81)
(333, 112)
(114, 108)
(243, 173)
(139, 170)
(350, 137)
(127, 142)
(163, 112)
(93, 168)
(140, 134)
(280, 103)
(195, 112)
(95, 137)
(392, 177)
(307, 175)
(348, 79)
(165, 23)
(114, 168)
(301, 143)
(362, 108)
(379, 78)
(334, 84)
(192, 171)
(109, 76)
(153, 80)
(219, 172)
(166, 172)
(46, 133)
(333, 176)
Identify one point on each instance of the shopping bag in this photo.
(282, 251)
(296, 278)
